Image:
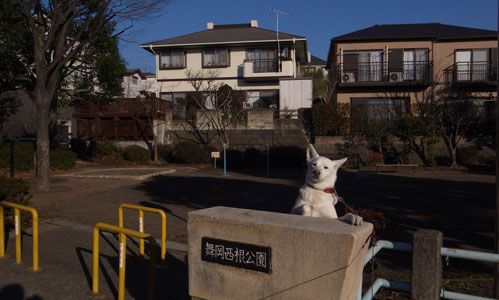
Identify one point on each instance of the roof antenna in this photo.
(277, 13)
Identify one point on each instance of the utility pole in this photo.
(497, 157)
(277, 13)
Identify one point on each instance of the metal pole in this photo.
(12, 159)
(2, 233)
(225, 159)
(497, 160)
(268, 161)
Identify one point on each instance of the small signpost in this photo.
(215, 155)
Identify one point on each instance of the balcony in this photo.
(383, 74)
(478, 74)
(267, 69)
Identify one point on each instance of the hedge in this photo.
(62, 159)
(136, 154)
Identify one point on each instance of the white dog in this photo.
(318, 195)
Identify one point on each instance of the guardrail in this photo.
(17, 227)
(141, 210)
(123, 233)
(404, 286)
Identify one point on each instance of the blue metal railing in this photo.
(404, 286)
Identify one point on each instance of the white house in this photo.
(243, 56)
(137, 84)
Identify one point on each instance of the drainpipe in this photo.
(294, 58)
(156, 67)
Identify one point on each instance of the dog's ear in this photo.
(339, 162)
(311, 153)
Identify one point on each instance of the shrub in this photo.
(165, 152)
(329, 119)
(252, 156)
(468, 155)
(84, 150)
(234, 157)
(62, 159)
(17, 191)
(23, 156)
(106, 148)
(188, 152)
(136, 154)
(288, 156)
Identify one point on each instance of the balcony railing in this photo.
(269, 69)
(471, 73)
(265, 65)
(383, 73)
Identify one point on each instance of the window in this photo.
(178, 103)
(214, 58)
(368, 111)
(473, 64)
(172, 60)
(264, 59)
(362, 66)
(263, 99)
(134, 80)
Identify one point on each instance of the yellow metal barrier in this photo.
(17, 225)
(123, 232)
(141, 210)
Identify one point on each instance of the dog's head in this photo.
(321, 171)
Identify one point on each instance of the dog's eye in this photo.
(326, 168)
(314, 164)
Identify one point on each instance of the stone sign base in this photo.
(247, 254)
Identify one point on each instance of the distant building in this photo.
(315, 63)
(138, 84)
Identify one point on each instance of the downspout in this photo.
(294, 58)
(156, 64)
(155, 135)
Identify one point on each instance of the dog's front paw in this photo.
(352, 219)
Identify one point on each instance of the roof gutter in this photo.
(221, 43)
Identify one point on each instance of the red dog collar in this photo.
(331, 190)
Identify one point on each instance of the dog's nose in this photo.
(317, 173)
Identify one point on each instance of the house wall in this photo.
(176, 80)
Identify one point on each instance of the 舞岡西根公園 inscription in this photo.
(235, 254)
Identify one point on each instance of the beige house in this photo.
(391, 66)
(248, 58)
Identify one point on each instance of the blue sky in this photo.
(318, 20)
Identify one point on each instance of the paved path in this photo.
(66, 264)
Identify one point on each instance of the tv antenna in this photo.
(277, 13)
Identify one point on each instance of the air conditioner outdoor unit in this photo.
(396, 76)
(347, 77)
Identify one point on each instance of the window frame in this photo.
(203, 63)
(161, 67)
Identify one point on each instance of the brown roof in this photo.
(233, 33)
(416, 31)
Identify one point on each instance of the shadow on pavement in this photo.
(171, 282)
(15, 292)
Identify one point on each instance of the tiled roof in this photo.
(315, 61)
(416, 31)
(233, 33)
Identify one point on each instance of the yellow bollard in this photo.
(123, 232)
(141, 229)
(2, 233)
(122, 264)
(17, 231)
(141, 210)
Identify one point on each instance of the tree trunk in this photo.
(42, 142)
(451, 149)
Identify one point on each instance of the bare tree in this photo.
(64, 34)
(219, 104)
